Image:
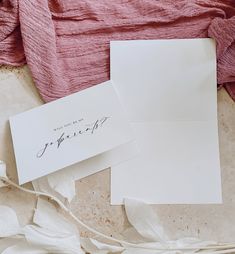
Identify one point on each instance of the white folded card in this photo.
(168, 88)
(69, 130)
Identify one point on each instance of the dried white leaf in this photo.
(9, 241)
(145, 220)
(52, 241)
(24, 248)
(148, 251)
(9, 225)
(93, 246)
(59, 184)
(192, 242)
(42, 185)
(46, 216)
(140, 251)
(132, 251)
(106, 247)
(151, 245)
(63, 183)
(195, 243)
(89, 247)
(3, 172)
(147, 247)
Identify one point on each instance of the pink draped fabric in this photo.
(66, 42)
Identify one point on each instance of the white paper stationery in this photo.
(63, 181)
(69, 130)
(168, 88)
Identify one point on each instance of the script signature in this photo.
(82, 129)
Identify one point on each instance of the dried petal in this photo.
(63, 184)
(193, 242)
(46, 216)
(52, 241)
(140, 251)
(89, 247)
(9, 241)
(106, 247)
(2, 172)
(9, 222)
(24, 248)
(42, 185)
(145, 220)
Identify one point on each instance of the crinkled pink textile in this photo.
(66, 42)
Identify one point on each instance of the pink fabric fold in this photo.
(66, 42)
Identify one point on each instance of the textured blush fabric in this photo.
(66, 42)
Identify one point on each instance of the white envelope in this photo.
(88, 124)
(169, 90)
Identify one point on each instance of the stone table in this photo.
(91, 204)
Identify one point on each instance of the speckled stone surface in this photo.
(91, 204)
